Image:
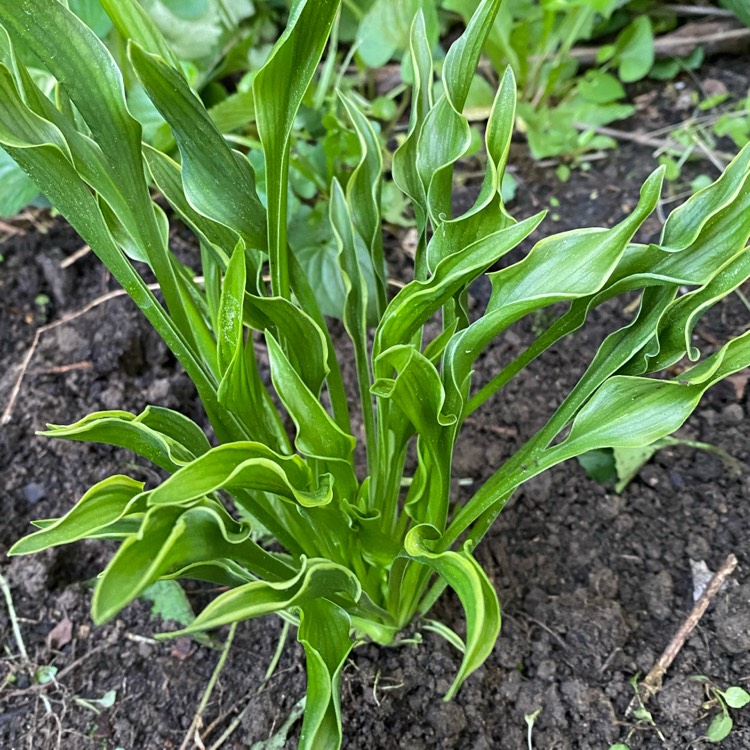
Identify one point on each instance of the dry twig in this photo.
(652, 684)
(76, 256)
(8, 413)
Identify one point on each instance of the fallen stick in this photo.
(76, 256)
(714, 37)
(653, 681)
(8, 413)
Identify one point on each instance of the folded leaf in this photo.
(324, 633)
(100, 507)
(170, 539)
(165, 437)
(218, 182)
(245, 466)
(316, 579)
(479, 600)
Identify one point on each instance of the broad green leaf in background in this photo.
(18, 190)
(720, 728)
(739, 8)
(169, 602)
(634, 50)
(384, 31)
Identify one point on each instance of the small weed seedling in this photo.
(358, 553)
(733, 697)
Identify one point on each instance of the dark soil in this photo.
(593, 584)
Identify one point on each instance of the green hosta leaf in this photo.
(416, 389)
(565, 266)
(632, 412)
(241, 389)
(463, 56)
(355, 307)
(218, 182)
(243, 466)
(305, 341)
(316, 579)
(324, 633)
(675, 330)
(405, 172)
(79, 60)
(685, 223)
(318, 436)
(167, 175)
(102, 506)
(624, 412)
(355, 313)
(696, 251)
(418, 392)
(43, 153)
(86, 70)
(465, 576)
(446, 135)
(230, 330)
(170, 539)
(165, 437)
(279, 87)
(363, 193)
(419, 300)
(133, 22)
(488, 213)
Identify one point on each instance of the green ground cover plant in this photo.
(360, 548)
(221, 45)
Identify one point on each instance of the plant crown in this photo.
(363, 551)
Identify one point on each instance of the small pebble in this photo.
(733, 414)
(34, 492)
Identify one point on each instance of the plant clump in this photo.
(359, 551)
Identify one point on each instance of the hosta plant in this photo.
(360, 548)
